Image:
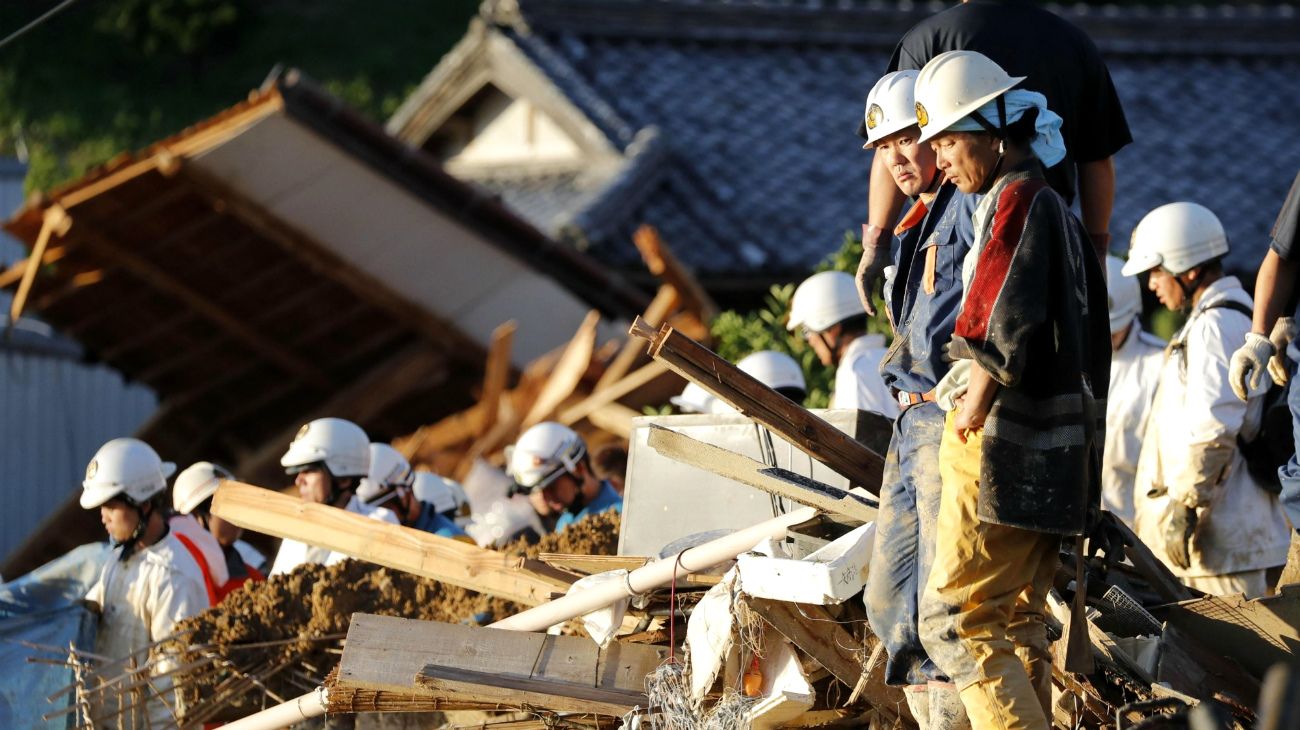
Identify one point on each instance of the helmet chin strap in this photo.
(128, 545)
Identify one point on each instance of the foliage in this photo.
(112, 76)
(737, 334)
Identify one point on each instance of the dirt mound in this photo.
(287, 615)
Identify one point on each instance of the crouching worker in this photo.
(551, 460)
(1199, 507)
(933, 239)
(1020, 454)
(192, 496)
(152, 582)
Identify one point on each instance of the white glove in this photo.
(1249, 363)
(1283, 333)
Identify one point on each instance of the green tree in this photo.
(737, 334)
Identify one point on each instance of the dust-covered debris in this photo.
(289, 618)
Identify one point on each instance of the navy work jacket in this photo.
(926, 296)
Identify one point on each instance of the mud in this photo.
(317, 601)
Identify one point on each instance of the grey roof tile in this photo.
(761, 139)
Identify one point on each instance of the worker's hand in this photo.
(875, 256)
(969, 418)
(1284, 332)
(1248, 364)
(1178, 534)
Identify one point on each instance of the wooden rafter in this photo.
(438, 332)
(55, 222)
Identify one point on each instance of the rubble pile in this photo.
(287, 630)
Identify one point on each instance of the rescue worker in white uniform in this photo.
(1198, 507)
(1135, 360)
(152, 582)
(327, 459)
(827, 308)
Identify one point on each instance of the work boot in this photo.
(918, 701)
(946, 709)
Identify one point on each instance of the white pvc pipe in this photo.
(656, 574)
(296, 710)
(659, 573)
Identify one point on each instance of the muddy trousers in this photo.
(904, 543)
(981, 617)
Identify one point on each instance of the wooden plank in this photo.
(1189, 666)
(615, 418)
(566, 375)
(393, 546)
(592, 564)
(638, 379)
(663, 263)
(15, 273)
(496, 374)
(745, 470)
(386, 652)
(665, 301)
(813, 630)
(1151, 568)
(810, 434)
(54, 222)
(157, 277)
(468, 684)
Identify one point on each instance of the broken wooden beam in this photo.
(466, 664)
(663, 263)
(810, 434)
(813, 630)
(393, 546)
(1152, 569)
(774, 480)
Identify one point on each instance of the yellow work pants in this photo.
(981, 617)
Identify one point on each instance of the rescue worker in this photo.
(776, 370)
(1135, 360)
(933, 238)
(390, 483)
(327, 459)
(1057, 60)
(610, 464)
(826, 308)
(1020, 452)
(551, 460)
(1198, 507)
(206, 550)
(1271, 340)
(446, 499)
(192, 497)
(152, 581)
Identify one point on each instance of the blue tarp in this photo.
(43, 607)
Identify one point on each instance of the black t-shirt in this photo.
(1060, 61)
(1288, 220)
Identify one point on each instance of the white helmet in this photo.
(542, 454)
(341, 445)
(1124, 293)
(195, 484)
(823, 300)
(693, 399)
(388, 472)
(127, 467)
(444, 494)
(773, 369)
(891, 106)
(1177, 237)
(954, 84)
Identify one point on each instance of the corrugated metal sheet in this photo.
(55, 411)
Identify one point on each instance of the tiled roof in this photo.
(764, 170)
